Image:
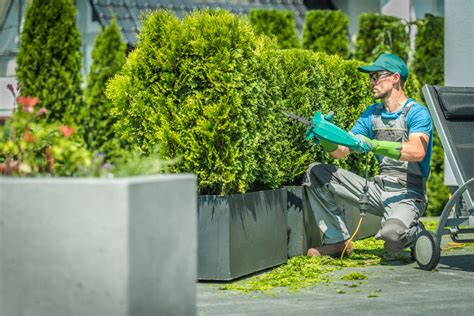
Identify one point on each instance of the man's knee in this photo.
(316, 174)
(393, 233)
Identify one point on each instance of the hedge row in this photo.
(276, 23)
(380, 33)
(326, 31)
(211, 91)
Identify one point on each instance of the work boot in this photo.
(333, 250)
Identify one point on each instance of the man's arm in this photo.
(414, 149)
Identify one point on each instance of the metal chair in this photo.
(452, 111)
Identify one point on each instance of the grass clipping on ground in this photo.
(302, 272)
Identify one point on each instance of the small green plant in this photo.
(280, 24)
(326, 31)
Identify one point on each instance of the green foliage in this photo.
(326, 31)
(313, 82)
(280, 24)
(32, 147)
(135, 164)
(196, 87)
(380, 33)
(428, 61)
(49, 58)
(108, 56)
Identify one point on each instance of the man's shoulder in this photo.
(417, 108)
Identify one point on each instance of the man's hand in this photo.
(325, 145)
(382, 147)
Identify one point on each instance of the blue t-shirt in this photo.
(418, 120)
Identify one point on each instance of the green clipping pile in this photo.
(303, 272)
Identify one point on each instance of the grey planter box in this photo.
(98, 246)
(240, 234)
(303, 231)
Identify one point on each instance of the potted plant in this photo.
(76, 241)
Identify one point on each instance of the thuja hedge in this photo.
(49, 60)
(428, 61)
(208, 90)
(326, 31)
(280, 24)
(108, 57)
(380, 33)
(196, 87)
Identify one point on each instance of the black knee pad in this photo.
(393, 233)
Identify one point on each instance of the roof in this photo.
(128, 12)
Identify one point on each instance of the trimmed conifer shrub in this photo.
(326, 31)
(49, 58)
(196, 88)
(428, 62)
(381, 34)
(280, 24)
(108, 57)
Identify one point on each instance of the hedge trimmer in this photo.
(322, 128)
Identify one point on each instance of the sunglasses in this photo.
(377, 75)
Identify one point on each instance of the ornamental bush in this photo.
(198, 88)
(280, 24)
(108, 56)
(49, 58)
(326, 31)
(381, 33)
(428, 61)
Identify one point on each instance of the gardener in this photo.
(399, 132)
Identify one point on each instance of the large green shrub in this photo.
(381, 33)
(197, 88)
(49, 58)
(326, 31)
(428, 61)
(280, 24)
(108, 56)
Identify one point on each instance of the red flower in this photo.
(66, 130)
(27, 103)
(28, 137)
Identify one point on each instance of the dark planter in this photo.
(303, 231)
(241, 234)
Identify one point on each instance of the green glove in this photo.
(327, 146)
(383, 147)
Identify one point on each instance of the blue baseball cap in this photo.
(389, 62)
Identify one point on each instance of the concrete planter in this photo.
(98, 246)
(303, 231)
(240, 234)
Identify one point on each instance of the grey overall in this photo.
(397, 194)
